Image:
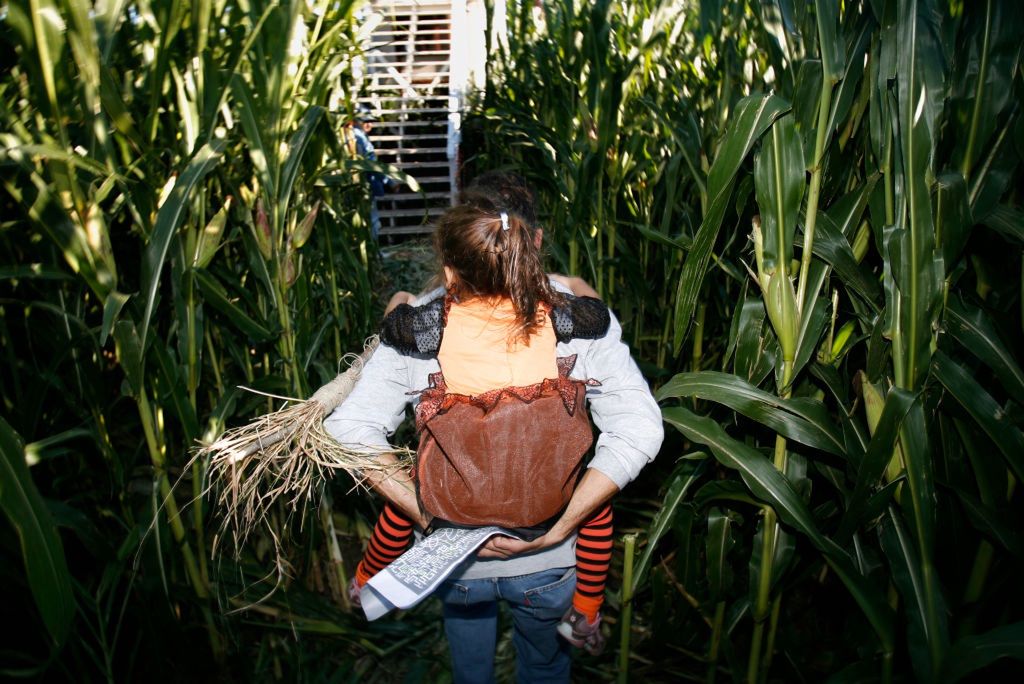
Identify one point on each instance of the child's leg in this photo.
(390, 538)
(593, 556)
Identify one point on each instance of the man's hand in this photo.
(506, 547)
(400, 297)
(578, 286)
(594, 489)
(398, 486)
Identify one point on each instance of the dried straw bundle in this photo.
(285, 456)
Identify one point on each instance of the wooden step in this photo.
(379, 64)
(409, 150)
(426, 211)
(402, 196)
(403, 138)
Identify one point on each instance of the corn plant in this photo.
(808, 219)
(180, 220)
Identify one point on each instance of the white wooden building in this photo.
(425, 56)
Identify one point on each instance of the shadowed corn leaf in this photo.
(686, 473)
(771, 486)
(718, 543)
(217, 297)
(971, 653)
(45, 566)
(989, 415)
(973, 329)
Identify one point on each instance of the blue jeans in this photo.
(537, 602)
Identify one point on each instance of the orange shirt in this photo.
(476, 354)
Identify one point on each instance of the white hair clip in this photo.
(504, 220)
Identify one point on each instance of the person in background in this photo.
(356, 136)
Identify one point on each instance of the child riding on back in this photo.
(503, 335)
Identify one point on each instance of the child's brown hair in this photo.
(494, 254)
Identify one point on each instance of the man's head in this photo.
(365, 118)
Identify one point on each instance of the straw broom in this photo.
(285, 456)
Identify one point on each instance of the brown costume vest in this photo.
(508, 457)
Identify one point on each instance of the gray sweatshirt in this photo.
(622, 407)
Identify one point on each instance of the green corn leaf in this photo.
(1006, 220)
(685, 474)
(111, 311)
(991, 522)
(782, 558)
(174, 386)
(803, 420)
(852, 74)
(296, 151)
(756, 345)
(46, 567)
(812, 323)
(718, 543)
(752, 116)
(70, 237)
(981, 84)
(216, 296)
(779, 182)
(128, 348)
(768, 484)
(927, 631)
(884, 440)
(971, 653)
(832, 245)
(989, 415)
(826, 12)
(918, 273)
(258, 153)
(168, 220)
(723, 490)
(953, 221)
(974, 329)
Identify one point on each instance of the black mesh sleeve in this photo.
(414, 330)
(581, 318)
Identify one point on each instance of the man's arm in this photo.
(398, 487)
(578, 286)
(372, 411)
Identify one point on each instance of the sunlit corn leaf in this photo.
(779, 181)
(751, 118)
(168, 220)
(803, 420)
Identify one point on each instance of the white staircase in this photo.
(414, 83)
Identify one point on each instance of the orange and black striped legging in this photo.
(393, 531)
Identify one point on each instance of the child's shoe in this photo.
(578, 631)
(354, 597)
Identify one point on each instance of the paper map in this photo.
(419, 571)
